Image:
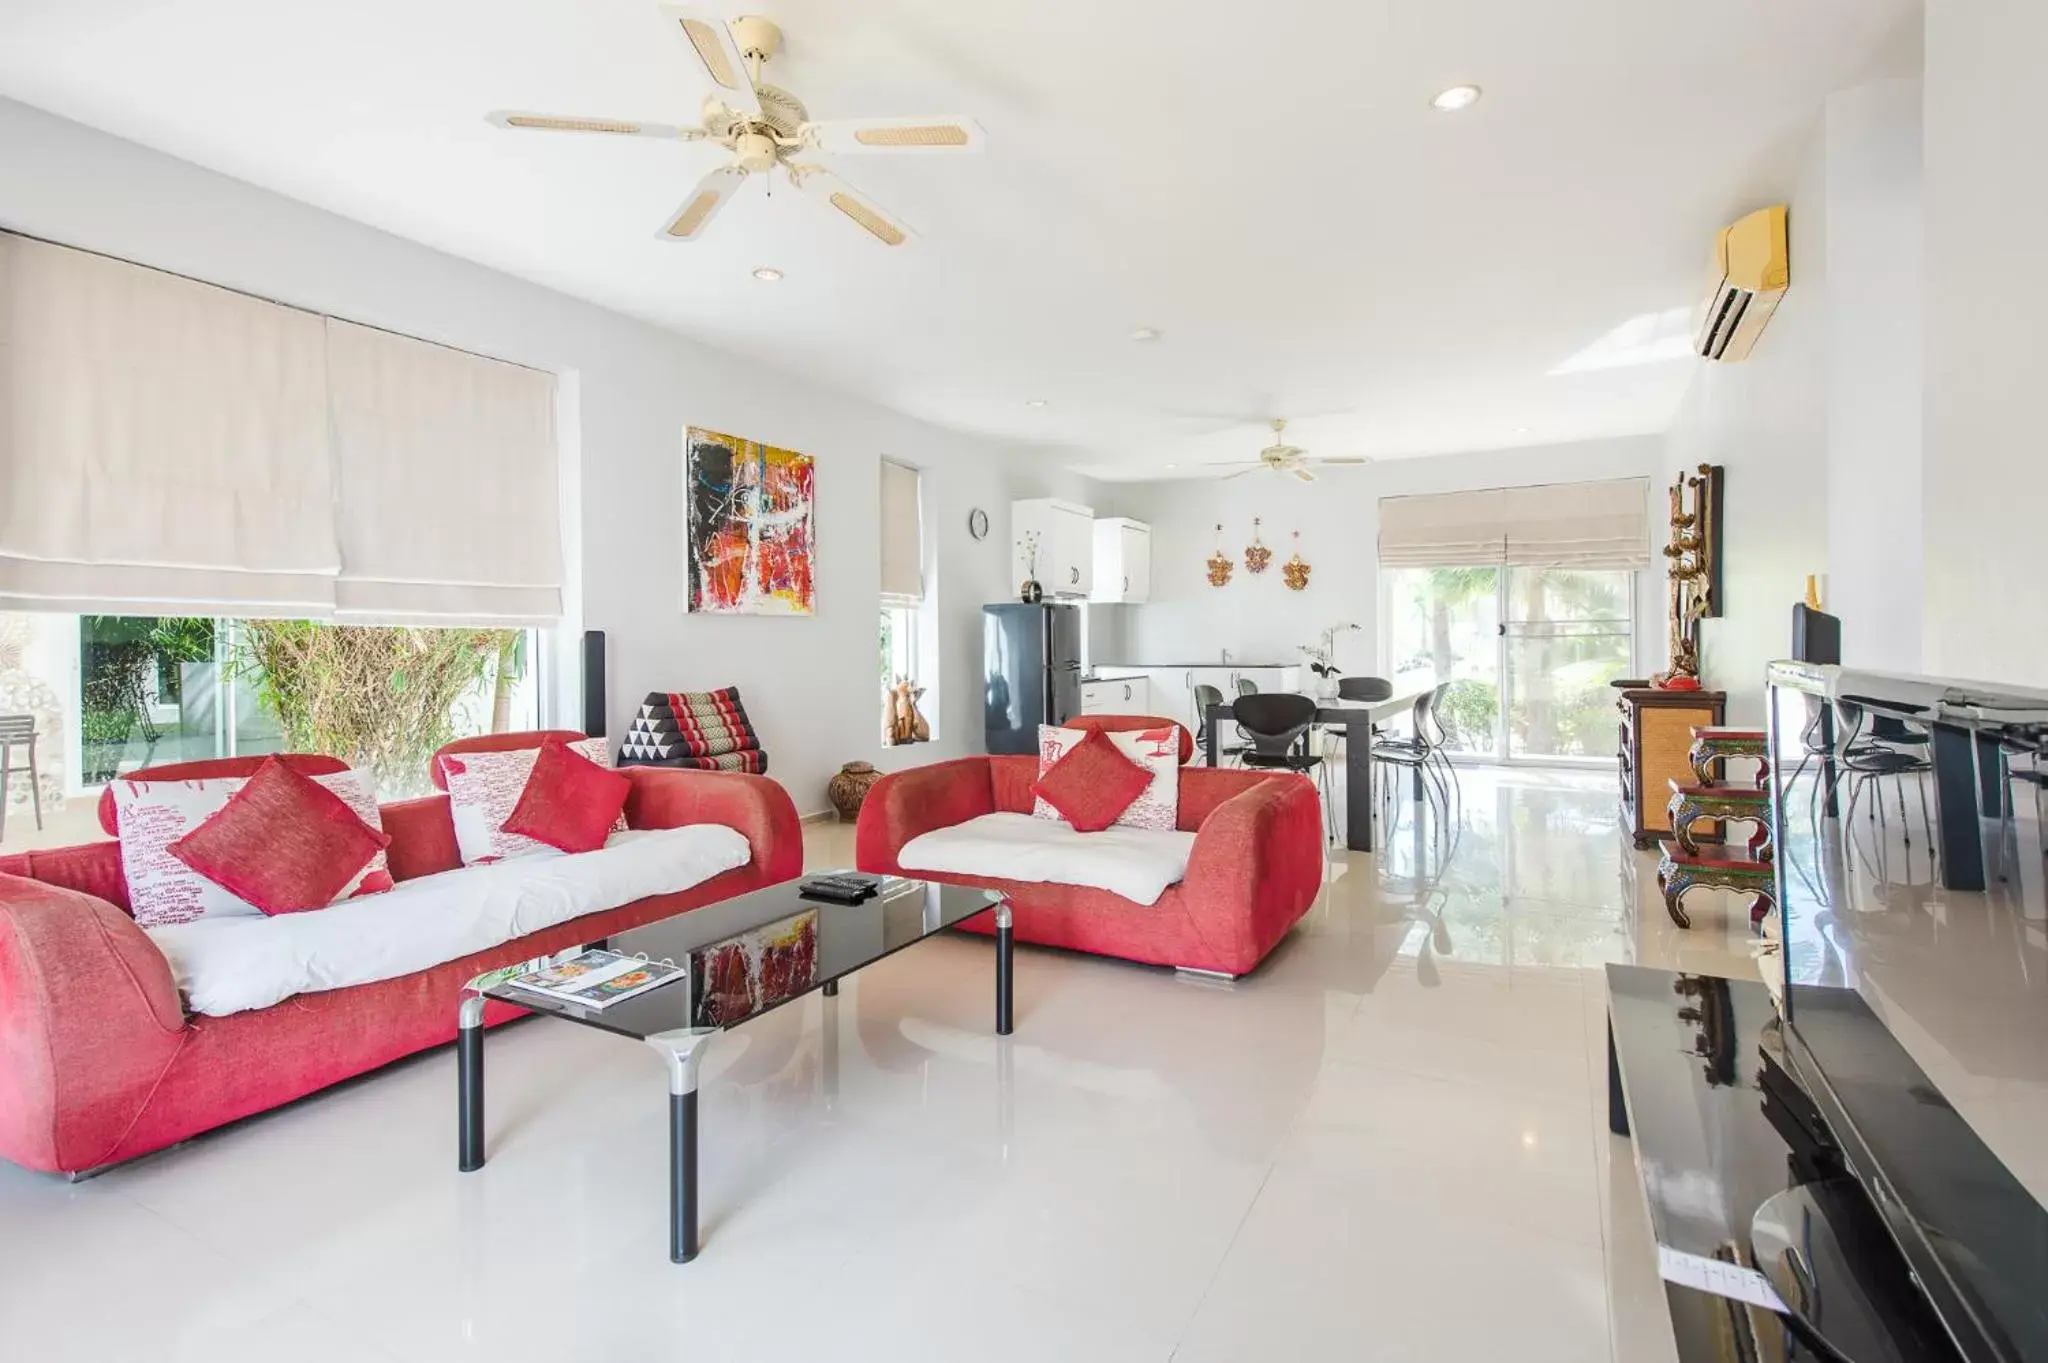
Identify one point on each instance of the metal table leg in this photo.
(684, 1051)
(1358, 793)
(1955, 809)
(469, 1077)
(1005, 950)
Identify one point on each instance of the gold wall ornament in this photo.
(1295, 571)
(1695, 570)
(1220, 566)
(1256, 554)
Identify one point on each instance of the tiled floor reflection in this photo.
(1389, 1143)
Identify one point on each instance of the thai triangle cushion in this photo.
(706, 730)
(1156, 750)
(228, 965)
(151, 815)
(284, 842)
(483, 790)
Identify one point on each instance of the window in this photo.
(113, 693)
(1528, 652)
(906, 683)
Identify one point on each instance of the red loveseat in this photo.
(100, 1064)
(1256, 867)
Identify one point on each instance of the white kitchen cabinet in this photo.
(1116, 696)
(1066, 544)
(1123, 561)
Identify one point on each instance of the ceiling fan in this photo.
(765, 128)
(1282, 457)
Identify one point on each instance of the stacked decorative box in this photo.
(1714, 800)
(701, 730)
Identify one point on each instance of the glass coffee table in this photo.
(740, 958)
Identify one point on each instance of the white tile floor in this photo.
(1389, 1143)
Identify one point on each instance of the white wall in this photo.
(630, 390)
(1259, 620)
(1986, 464)
(1873, 362)
(1765, 419)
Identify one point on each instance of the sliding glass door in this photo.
(1528, 653)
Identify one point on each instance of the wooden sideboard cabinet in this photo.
(1656, 737)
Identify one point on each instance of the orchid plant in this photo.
(1322, 655)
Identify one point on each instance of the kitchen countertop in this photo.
(1137, 669)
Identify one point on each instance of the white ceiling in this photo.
(1267, 185)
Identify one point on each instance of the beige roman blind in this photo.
(902, 535)
(169, 447)
(448, 499)
(1599, 524)
(163, 443)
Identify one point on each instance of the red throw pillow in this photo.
(284, 842)
(1093, 783)
(569, 801)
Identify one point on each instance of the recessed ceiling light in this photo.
(1173, 466)
(1034, 402)
(1456, 98)
(1521, 430)
(767, 274)
(1145, 334)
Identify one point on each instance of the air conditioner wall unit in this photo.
(1755, 270)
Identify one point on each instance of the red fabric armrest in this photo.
(1257, 863)
(906, 804)
(89, 1020)
(759, 808)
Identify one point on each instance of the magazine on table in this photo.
(598, 979)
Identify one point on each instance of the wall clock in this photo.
(977, 523)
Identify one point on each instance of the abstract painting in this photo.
(752, 536)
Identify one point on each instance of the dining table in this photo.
(1356, 718)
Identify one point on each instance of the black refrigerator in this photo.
(1031, 658)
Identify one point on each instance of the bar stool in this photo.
(19, 731)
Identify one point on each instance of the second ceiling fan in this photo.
(1282, 457)
(765, 128)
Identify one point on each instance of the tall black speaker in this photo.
(593, 683)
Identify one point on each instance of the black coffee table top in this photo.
(746, 956)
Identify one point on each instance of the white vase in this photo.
(1326, 688)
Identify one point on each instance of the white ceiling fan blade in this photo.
(1239, 474)
(1303, 474)
(862, 135)
(521, 121)
(709, 37)
(1334, 460)
(711, 194)
(858, 208)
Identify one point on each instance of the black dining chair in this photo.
(1247, 687)
(1357, 689)
(1277, 725)
(1874, 747)
(1206, 696)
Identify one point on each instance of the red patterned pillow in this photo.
(1093, 783)
(283, 842)
(569, 801)
(1156, 750)
(483, 787)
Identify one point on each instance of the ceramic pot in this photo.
(1326, 688)
(850, 787)
(1031, 593)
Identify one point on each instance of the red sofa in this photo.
(1256, 869)
(100, 1064)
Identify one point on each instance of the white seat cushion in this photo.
(1137, 863)
(227, 965)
